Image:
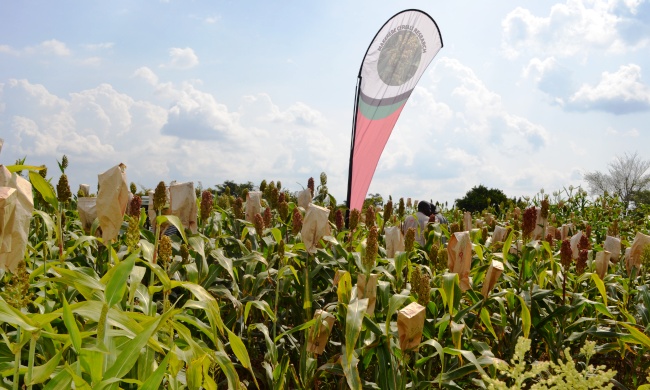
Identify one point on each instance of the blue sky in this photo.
(520, 98)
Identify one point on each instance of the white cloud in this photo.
(620, 92)
(146, 74)
(99, 46)
(182, 58)
(572, 28)
(550, 77)
(91, 61)
(55, 47)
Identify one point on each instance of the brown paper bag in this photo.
(7, 207)
(602, 263)
(394, 241)
(87, 209)
(253, 205)
(613, 245)
(636, 250)
(491, 277)
(320, 332)
(183, 204)
(18, 226)
(368, 290)
(459, 257)
(112, 199)
(304, 198)
(575, 240)
(151, 211)
(315, 226)
(410, 322)
(499, 234)
(467, 221)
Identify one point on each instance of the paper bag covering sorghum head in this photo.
(18, 225)
(87, 209)
(636, 250)
(7, 207)
(315, 226)
(613, 246)
(410, 322)
(183, 204)
(491, 277)
(304, 198)
(112, 199)
(602, 263)
(394, 241)
(253, 205)
(459, 257)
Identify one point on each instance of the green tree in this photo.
(235, 188)
(480, 197)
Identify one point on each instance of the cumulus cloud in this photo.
(620, 92)
(572, 28)
(54, 47)
(182, 58)
(550, 77)
(146, 74)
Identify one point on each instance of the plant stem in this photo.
(30, 364)
(17, 360)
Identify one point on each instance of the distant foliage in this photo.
(480, 198)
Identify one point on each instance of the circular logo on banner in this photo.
(399, 58)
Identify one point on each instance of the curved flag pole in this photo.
(393, 64)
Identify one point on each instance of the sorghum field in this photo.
(269, 289)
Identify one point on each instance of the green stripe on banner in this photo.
(379, 112)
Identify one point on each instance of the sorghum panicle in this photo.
(530, 217)
(566, 254)
(558, 234)
(206, 204)
(283, 210)
(267, 217)
(588, 231)
(355, 216)
(388, 211)
(296, 221)
(258, 221)
(248, 245)
(43, 172)
(442, 258)
(134, 207)
(310, 185)
(421, 285)
(281, 249)
(549, 239)
(160, 196)
(545, 208)
(409, 239)
(165, 251)
(484, 234)
(433, 256)
(17, 292)
(63, 189)
(372, 248)
(370, 216)
(263, 185)
(274, 197)
(132, 233)
(400, 208)
(454, 228)
(338, 220)
(584, 243)
(581, 262)
(64, 162)
(238, 208)
(185, 253)
(133, 188)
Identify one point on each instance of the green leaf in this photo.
(262, 305)
(116, 285)
(600, 286)
(450, 284)
(344, 290)
(228, 368)
(62, 380)
(394, 303)
(306, 325)
(45, 188)
(42, 373)
(239, 349)
(485, 319)
(506, 246)
(525, 317)
(71, 325)
(15, 317)
(22, 167)
(349, 363)
(353, 320)
(637, 335)
(131, 351)
(174, 220)
(153, 382)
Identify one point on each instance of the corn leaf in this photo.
(353, 321)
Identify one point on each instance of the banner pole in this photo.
(354, 127)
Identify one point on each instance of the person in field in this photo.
(419, 221)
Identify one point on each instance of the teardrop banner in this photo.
(394, 62)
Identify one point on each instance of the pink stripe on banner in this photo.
(369, 142)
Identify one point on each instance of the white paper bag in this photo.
(183, 204)
(112, 199)
(87, 209)
(304, 198)
(22, 215)
(315, 226)
(253, 205)
(7, 207)
(394, 241)
(459, 257)
(613, 246)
